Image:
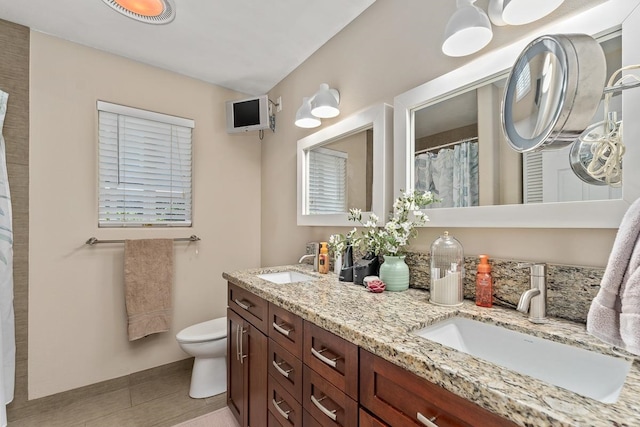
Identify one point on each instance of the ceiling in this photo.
(245, 45)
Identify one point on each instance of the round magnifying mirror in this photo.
(553, 91)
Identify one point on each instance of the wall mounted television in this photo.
(248, 114)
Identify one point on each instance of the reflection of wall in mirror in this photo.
(359, 148)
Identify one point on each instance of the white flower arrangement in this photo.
(396, 233)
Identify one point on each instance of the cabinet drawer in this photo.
(286, 369)
(286, 329)
(285, 409)
(251, 307)
(324, 402)
(309, 421)
(401, 398)
(334, 358)
(368, 420)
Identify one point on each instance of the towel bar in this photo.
(92, 240)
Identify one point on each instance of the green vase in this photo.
(394, 272)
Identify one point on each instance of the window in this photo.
(327, 181)
(145, 168)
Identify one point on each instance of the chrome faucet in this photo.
(534, 300)
(313, 251)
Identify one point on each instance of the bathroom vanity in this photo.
(331, 353)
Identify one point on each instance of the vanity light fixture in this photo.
(304, 118)
(467, 31)
(322, 105)
(520, 12)
(469, 28)
(147, 11)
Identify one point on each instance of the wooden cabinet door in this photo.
(236, 396)
(251, 307)
(330, 406)
(285, 328)
(255, 348)
(333, 357)
(368, 420)
(285, 368)
(401, 398)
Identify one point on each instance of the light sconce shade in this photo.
(520, 12)
(147, 11)
(325, 102)
(468, 30)
(304, 118)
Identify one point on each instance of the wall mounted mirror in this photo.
(346, 165)
(458, 115)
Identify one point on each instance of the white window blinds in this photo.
(327, 181)
(145, 168)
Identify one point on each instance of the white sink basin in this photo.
(285, 277)
(584, 372)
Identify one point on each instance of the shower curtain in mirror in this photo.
(451, 175)
(7, 328)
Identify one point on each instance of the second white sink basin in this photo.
(587, 373)
(285, 277)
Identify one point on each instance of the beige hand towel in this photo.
(614, 316)
(148, 280)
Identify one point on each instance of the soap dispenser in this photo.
(323, 258)
(484, 283)
(447, 271)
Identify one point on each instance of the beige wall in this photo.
(77, 318)
(392, 47)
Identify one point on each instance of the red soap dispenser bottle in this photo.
(484, 283)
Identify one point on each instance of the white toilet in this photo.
(207, 342)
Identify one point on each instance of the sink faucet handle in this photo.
(536, 269)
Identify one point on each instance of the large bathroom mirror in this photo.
(455, 120)
(346, 166)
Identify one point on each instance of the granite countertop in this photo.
(382, 324)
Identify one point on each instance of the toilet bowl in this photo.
(207, 342)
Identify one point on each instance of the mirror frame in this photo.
(602, 19)
(378, 117)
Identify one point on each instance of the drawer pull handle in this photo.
(318, 354)
(243, 304)
(328, 413)
(429, 422)
(280, 329)
(282, 371)
(285, 414)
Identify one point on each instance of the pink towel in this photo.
(148, 280)
(614, 316)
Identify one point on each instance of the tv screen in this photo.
(248, 114)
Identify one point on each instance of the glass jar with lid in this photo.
(447, 271)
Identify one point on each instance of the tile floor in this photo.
(141, 401)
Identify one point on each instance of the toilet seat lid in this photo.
(205, 331)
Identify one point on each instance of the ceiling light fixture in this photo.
(147, 11)
(322, 105)
(520, 12)
(467, 31)
(304, 118)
